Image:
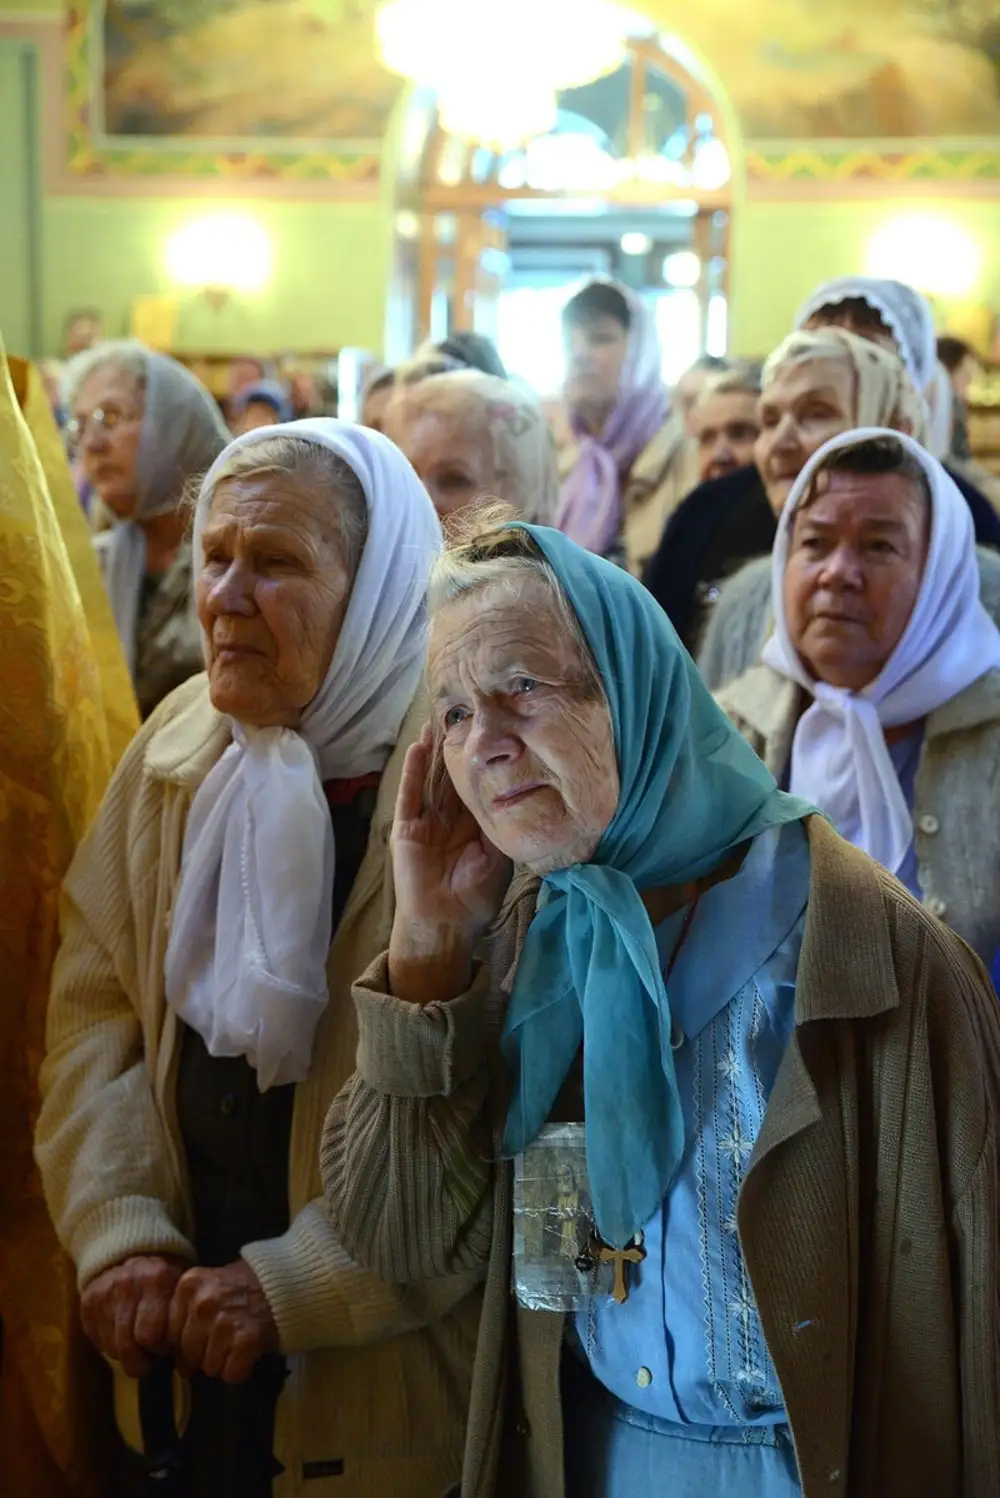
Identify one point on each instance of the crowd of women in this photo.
(516, 1022)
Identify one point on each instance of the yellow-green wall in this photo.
(327, 289)
(781, 250)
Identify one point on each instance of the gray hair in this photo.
(126, 354)
(496, 553)
(509, 420)
(740, 380)
(312, 467)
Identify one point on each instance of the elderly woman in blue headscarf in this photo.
(652, 1040)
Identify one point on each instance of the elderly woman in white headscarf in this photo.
(899, 318)
(816, 385)
(878, 696)
(142, 426)
(200, 1018)
(473, 437)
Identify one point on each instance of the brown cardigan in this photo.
(869, 1215)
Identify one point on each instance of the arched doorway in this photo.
(635, 181)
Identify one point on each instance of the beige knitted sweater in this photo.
(376, 1402)
(869, 1215)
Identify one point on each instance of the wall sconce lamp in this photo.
(930, 251)
(220, 254)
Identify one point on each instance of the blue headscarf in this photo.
(691, 791)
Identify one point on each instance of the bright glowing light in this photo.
(929, 251)
(497, 115)
(224, 251)
(682, 269)
(678, 322)
(530, 335)
(717, 326)
(407, 224)
(710, 169)
(442, 45)
(636, 244)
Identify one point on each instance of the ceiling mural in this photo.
(223, 70)
(293, 90)
(799, 70)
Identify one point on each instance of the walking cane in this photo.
(161, 1442)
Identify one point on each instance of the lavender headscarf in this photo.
(590, 504)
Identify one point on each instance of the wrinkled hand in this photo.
(220, 1322)
(125, 1311)
(447, 873)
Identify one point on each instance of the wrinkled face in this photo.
(451, 457)
(272, 596)
(803, 407)
(108, 412)
(595, 356)
(855, 561)
(257, 414)
(869, 325)
(376, 406)
(527, 742)
(725, 427)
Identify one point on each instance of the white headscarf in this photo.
(840, 761)
(905, 312)
(182, 433)
(941, 401)
(252, 925)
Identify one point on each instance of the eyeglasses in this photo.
(102, 420)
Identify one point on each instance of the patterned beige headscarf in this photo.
(884, 394)
(511, 421)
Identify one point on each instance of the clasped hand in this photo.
(211, 1321)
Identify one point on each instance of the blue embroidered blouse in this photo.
(687, 1345)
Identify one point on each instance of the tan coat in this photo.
(956, 813)
(662, 475)
(869, 1215)
(380, 1375)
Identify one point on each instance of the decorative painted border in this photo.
(809, 162)
(91, 154)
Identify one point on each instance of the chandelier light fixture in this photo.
(498, 85)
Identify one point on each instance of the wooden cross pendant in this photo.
(633, 1253)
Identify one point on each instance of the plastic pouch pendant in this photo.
(560, 1261)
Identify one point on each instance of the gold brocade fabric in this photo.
(120, 709)
(55, 761)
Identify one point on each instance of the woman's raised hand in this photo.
(450, 882)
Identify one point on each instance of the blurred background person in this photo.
(470, 351)
(244, 370)
(142, 427)
(618, 405)
(725, 424)
(962, 364)
(82, 329)
(376, 398)
(265, 403)
(692, 384)
(472, 437)
(877, 698)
